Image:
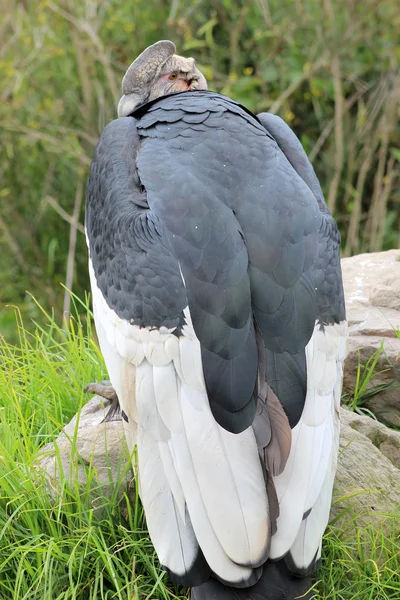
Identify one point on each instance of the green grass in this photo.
(57, 547)
(359, 564)
(364, 388)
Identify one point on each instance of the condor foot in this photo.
(106, 390)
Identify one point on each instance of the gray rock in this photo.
(367, 486)
(91, 453)
(368, 476)
(372, 291)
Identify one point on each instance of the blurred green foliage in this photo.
(330, 68)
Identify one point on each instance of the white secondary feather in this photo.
(172, 478)
(308, 540)
(206, 537)
(148, 415)
(324, 451)
(239, 450)
(241, 524)
(167, 397)
(172, 535)
(303, 483)
(194, 476)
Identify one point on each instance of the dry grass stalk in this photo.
(339, 146)
(63, 213)
(71, 252)
(352, 241)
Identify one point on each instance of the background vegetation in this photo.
(330, 68)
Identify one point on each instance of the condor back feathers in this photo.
(219, 308)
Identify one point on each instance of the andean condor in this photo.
(218, 302)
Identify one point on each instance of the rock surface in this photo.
(368, 476)
(372, 291)
(90, 452)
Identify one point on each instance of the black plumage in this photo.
(264, 242)
(137, 275)
(276, 583)
(195, 204)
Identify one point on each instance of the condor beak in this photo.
(196, 80)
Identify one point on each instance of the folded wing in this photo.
(213, 267)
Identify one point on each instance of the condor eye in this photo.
(172, 76)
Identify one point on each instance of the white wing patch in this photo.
(203, 486)
(200, 485)
(307, 480)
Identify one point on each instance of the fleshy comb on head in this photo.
(156, 72)
(146, 66)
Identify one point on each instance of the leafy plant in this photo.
(363, 390)
(61, 65)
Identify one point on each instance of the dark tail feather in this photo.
(276, 583)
